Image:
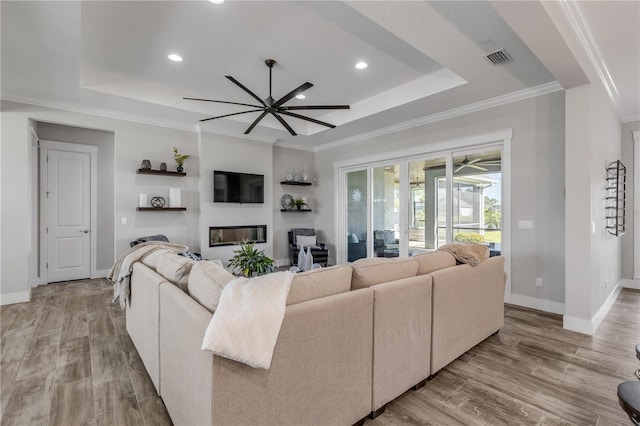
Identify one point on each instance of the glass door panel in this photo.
(357, 195)
(427, 205)
(386, 211)
(477, 198)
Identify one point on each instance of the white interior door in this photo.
(68, 215)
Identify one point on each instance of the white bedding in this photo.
(246, 324)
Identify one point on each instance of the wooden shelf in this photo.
(296, 210)
(159, 172)
(294, 183)
(161, 209)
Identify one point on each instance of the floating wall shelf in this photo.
(296, 210)
(161, 209)
(160, 172)
(294, 183)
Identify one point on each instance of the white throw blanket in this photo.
(246, 324)
(120, 273)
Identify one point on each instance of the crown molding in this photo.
(578, 25)
(519, 95)
(99, 112)
(200, 128)
(292, 146)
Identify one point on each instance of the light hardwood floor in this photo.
(67, 359)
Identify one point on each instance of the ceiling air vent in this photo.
(499, 57)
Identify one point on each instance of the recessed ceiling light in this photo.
(300, 96)
(216, 1)
(361, 65)
(175, 57)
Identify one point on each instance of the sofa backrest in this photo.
(433, 261)
(319, 283)
(370, 271)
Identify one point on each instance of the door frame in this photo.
(45, 146)
(440, 148)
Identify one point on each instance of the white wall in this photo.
(537, 183)
(284, 159)
(133, 142)
(234, 155)
(627, 159)
(593, 262)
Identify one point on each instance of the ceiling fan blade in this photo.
(235, 113)
(284, 123)
(286, 98)
(459, 168)
(257, 120)
(474, 161)
(237, 83)
(221, 102)
(302, 117)
(473, 166)
(293, 108)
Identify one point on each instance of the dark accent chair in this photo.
(320, 254)
(385, 244)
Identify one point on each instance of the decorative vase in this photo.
(146, 165)
(179, 169)
(163, 167)
(298, 206)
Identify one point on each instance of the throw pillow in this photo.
(175, 269)
(305, 240)
(206, 282)
(470, 253)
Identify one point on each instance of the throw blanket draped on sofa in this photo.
(120, 273)
(246, 324)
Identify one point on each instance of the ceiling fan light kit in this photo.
(272, 106)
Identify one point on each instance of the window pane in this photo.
(356, 215)
(477, 199)
(386, 206)
(427, 209)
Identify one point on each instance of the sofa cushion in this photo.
(429, 262)
(175, 269)
(367, 272)
(319, 283)
(470, 253)
(151, 260)
(206, 282)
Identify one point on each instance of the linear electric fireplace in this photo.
(234, 235)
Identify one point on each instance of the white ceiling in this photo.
(424, 58)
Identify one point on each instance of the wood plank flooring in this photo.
(66, 359)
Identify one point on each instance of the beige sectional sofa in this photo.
(354, 338)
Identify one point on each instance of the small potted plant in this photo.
(299, 203)
(249, 261)
(180, 159)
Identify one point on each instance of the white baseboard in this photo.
(589, 327)
(634, 283)
(282, 262)
(535, 303)
(18, 297)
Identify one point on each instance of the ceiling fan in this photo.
(273, 107)
(476, 164)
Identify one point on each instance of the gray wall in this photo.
(627, 159)
(537, 182)
(284, 159)
(105, 214)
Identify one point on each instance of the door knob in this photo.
(86, 231)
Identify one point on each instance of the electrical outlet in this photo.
(538, 282)
(123, 220)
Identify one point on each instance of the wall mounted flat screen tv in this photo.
(231, 187)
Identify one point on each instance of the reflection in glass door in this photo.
(357, 195)
(386, 211)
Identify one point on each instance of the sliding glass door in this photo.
(416, 205)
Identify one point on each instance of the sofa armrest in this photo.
(401, 336)
(468, 306)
